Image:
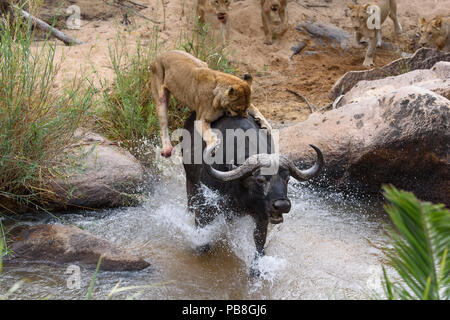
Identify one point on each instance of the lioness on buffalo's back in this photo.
(209, 93)
(367, 20)
(435, 32)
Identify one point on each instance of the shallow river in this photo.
(329, 247)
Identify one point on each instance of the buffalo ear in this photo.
(249, 79)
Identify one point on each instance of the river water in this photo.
(328, 247)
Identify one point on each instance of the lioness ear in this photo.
(437, 23)
(366, 6)
(248, 78)
(230, 91)
(351, 5)
(422, 21)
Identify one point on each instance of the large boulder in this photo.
(105, 176)
(68, 244)
(400, 137)
(424, 58)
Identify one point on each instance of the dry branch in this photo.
(68, 40)
(311, 107)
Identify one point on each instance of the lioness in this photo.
(435, 32)
(220, 9)
(360, 14)
(209, 93)
(278, 7)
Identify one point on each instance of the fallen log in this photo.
(68, 40)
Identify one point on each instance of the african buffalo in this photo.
(244, 188)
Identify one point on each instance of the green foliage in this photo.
(94, 277)
(420, 254)
(36, 122)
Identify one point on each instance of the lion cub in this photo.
(209, 93)
(220, 9)
(274, 7)
(435, 32)
(360, 14)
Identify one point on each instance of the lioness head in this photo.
(274, 5)
(358, 14)
(236, 98)
(221, 9)
(430, 31)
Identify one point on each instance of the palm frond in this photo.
(420, 247)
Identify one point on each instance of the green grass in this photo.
(36, 121)
(203, 44)
(421, 243)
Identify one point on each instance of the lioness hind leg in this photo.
(161, 96)
(163, 106)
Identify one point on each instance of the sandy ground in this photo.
(273, 71)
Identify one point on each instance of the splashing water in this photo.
(327, 248)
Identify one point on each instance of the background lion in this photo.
(435, 32)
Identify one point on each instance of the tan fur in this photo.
(274, 7)
(209, 93)
(435, 32)
(220, 9)
(359, 17)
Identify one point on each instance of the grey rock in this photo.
(67, 244)
(106, 176)
(401, 137)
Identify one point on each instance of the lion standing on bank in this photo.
(375, 10)
(435, 32)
